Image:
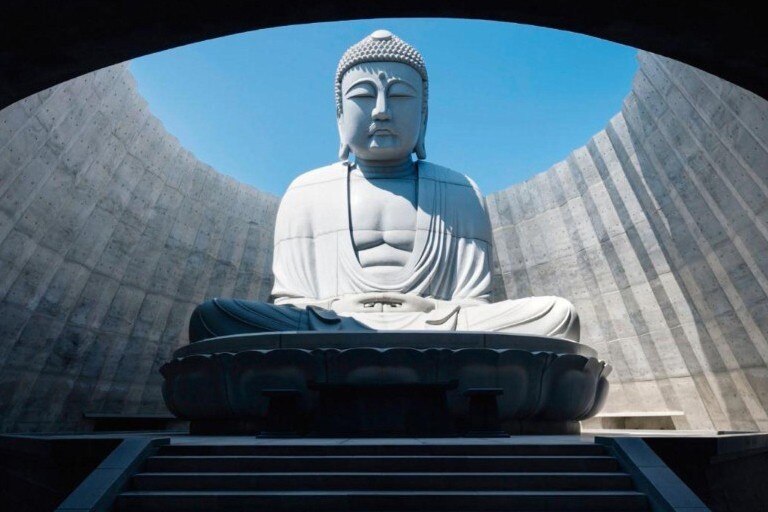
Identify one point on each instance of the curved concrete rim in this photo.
(69, 39)
(384, 339)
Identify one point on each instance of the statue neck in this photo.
(379, 169)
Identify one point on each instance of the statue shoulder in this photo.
(334, 171)
(312, 189)
(313, 204)
(437, 172)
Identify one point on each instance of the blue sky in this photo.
(506, 101)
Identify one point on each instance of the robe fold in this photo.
(315, 259)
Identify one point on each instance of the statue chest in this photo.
(383, 220)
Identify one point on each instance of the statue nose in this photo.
(381, 110)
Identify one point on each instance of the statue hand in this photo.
(383, 302)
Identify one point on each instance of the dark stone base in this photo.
(383, 410)
(499, 385)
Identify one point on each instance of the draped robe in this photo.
(315, 263)
(444, 285)
(315, 258)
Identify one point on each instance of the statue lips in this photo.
(378, 130)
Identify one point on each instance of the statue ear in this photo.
(343, 152)
(343, 145)
(421, 149)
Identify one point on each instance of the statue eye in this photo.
(361, 91)
(400, 90)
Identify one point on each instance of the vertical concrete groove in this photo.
(661, 367)
(729, 398)
(666, 290)
(673, 232)
(758, 338)
(758, 223)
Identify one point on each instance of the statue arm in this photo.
(292, 256)
(302, 255)
(303, 302)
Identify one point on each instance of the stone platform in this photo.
(394, 383)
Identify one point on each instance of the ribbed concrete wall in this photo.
(657, 230)
(110, 234)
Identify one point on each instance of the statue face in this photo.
(381, 110)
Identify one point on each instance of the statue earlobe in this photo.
(343, 146)
(421, 149)
(343, 151)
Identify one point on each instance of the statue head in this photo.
(381, 99)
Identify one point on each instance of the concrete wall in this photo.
(110, 234)
(657, 229)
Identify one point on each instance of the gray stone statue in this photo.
(383, 242)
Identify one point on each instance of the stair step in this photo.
(241, 464)
(381, 501)
(385, 449)
(381, 481)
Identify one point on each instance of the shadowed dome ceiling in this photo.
(43, 43)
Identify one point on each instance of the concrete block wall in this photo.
(657, 230)
(110, 234)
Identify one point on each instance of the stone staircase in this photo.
(452, 476)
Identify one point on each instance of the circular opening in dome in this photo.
(506, 101)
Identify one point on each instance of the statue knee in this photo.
(200, 321)
(569, 326)
(226, 317)
(565, 306)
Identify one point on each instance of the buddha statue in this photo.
(379, 240)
